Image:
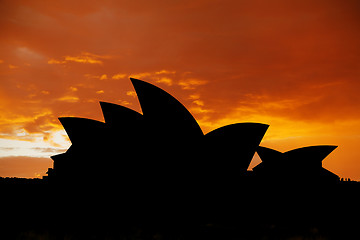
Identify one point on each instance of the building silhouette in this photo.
(159, 172)
(298, 165)
(163, 146)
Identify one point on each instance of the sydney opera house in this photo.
(301, 164)
(158, 171)
(166, 145)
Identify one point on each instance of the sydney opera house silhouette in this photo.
(302, 164)
(157, 171)
(165, 145)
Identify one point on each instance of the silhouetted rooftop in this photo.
(119, 116)
(166, 145)
(163, 112)
(82, 130)
(310, 153)
(235, 143)
(301, 162)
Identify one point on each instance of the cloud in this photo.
(161, 76)
(199, 102)
(13, 66)
(73, 89)
(119, 76)
(84, 57)
(124, 102)
(165, 80)
(37, 147)
(200, 109)
(103, 77)
(141, 75)
(54, 61)
(191, 83)
(131, 93)
(68, 98)
(48, 150)
(194, 96)
(165, 72)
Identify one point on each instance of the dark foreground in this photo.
(36, 209)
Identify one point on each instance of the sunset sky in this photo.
(294, 65)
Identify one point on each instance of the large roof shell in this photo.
(83, 130)
(164, 113)
(117, 115)
(235, 143)
(310, 154)
(298, 155)
(303, 161)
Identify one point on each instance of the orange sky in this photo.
(291, 64)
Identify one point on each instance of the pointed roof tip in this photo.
(249, 128)
(320, 146)
(113, 106)
(108, 104)
(311, 153)
(136, 81)
(267, 148)
(119, 115)
(137, 84)
(324, 147)
(58, 156)
(103, 103)
(262, 125)
(315, 148)
(81, 129)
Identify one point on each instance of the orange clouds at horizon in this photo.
(291, 64)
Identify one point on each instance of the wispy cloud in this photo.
(119, 76)
(165, 72)
(68, 98)
(37, 148)
(191, 83)
(131, 94)
(163, 76)
(84, 57)
(165, 80)
(141, 75)
(13, 66)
